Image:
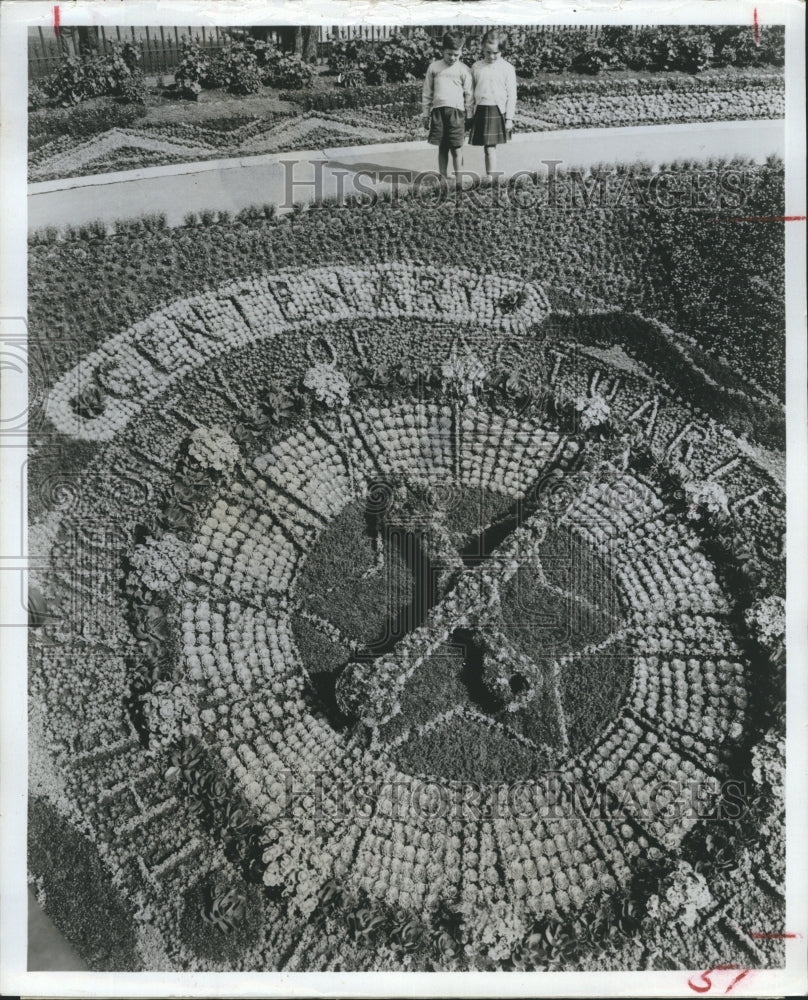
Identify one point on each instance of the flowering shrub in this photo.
(407, 56)
(37, 97)
(397, 59)
(288, 70)
(592, 60)
(192, 72)
(671, 48)
(235, 69)
(357, 60)
(116, 73)
(534, 50)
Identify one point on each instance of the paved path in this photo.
(281, 178)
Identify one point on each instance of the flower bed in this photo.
(383, 114)
(638, 257)
(365, 532)
(643, 101)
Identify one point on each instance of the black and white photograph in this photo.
(397, 579)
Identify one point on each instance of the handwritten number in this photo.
(702, 989)
(737, 979)
(707, 982)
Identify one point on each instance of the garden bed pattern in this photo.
(173, 668)
(579, 104)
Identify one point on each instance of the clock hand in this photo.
(369, 689)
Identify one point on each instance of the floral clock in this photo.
(377, 649)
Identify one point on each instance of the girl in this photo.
(494, 100)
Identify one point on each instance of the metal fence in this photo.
(161, 47)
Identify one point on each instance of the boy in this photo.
(446, 103)
(494, 100)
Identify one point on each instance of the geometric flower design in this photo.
(432, 651)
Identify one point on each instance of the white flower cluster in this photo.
(328, 384)
(594, 410)
(161, 563)
(463, 375)
(708, 494)
(244, 550)
(768, 763)
(309, 467)
(214, 449)
(635, 762)
(554, 864)
(237, 650)
(414, 439)
(685, 894)
(496, 931)
(767, 620)
(653, 757)
(397, 857)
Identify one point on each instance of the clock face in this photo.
(371, 593)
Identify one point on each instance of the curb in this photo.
(361, 153)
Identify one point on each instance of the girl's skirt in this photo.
(489, 126)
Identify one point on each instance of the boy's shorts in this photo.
(447, 127)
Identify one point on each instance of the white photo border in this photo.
(16, 16)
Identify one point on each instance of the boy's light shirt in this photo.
(448, 86)
(495, 83)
